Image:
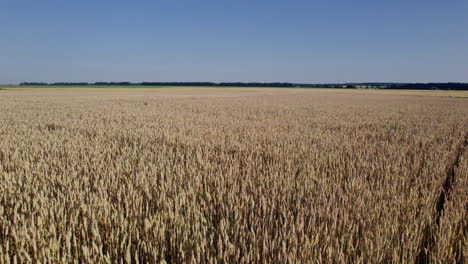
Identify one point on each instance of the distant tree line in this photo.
(325, 85)
(34, 83)
(114, 83)
(429, 86)
(400, 86)
(204, 84)
(224, 84)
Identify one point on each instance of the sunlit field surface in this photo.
(235, 175)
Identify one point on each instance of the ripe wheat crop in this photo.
(232, 176)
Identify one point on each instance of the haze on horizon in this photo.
(225, 40)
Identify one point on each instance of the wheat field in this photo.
(212, 175)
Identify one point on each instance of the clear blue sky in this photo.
(234, 40)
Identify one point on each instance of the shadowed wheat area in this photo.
(198, 175)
